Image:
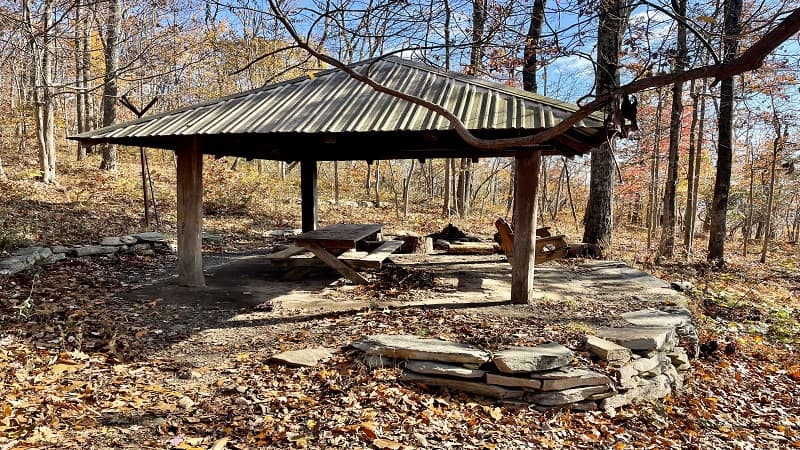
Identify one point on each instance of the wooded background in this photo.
(66, 64)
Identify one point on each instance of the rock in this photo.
(584, 406)
(487, 390)
(185, 402)
(683, 367)
(149, 236)
(658, 318)
(570, 377)
(674, 317)
(557, 398)
(607, 350)
(639, 338)
(36, 253)
(412, 347)
(90, 250)
(533, 359)
(308, 357)
(441, 244)
(379, 362)
(674, 378)
(648, 389)
(14, 264)
(642, 365)
(682, 286)
(61, 249)
(210, 237)
(52, 259)
(678, 356)
(503, 380)
(187, 374)
(118, 240)
(439, 368)
(626, 375)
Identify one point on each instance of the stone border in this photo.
(28, 257)
(633, 364)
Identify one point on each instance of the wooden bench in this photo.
(548, 247)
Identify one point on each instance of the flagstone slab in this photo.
(413, 347)
(440, 368)
(533, 359)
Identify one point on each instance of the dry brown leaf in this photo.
(386, 444)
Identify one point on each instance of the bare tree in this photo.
(722, 181)
(110, 79)
(667, 245)
(598, 220)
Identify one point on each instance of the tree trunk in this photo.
(407, 186)
(776, 147)
(689, 211)
(42, 91)
(598, 220)
(695, 177)
(478, 25)
(448, 176)
(529, 82)
(80, 83)
(655, 164)
(336, 182)
(110, 88)
(377, 183)
(722, 181)
(666, 247)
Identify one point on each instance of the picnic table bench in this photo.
(345, 247)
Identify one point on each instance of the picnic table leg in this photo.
(346, 271)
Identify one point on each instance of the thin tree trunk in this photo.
(336, 182)
(776, 147)
(42, 93)
(722, 181)
(80, 84)
(446, 206)
(698, 159)
(110, 88)
(655, 163)
(407, 186)
(377, 183)
(666, 247)
(689, 211)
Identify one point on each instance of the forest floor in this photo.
(100, 352)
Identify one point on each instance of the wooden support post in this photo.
(525, 211)
(308, 194)
(190, 215)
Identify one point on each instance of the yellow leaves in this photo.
(495, 413)
(386, 444)
(707, 19)
(59, 369)
(619, 446)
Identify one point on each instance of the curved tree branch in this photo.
(749, 60)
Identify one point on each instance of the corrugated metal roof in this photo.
(331, 102)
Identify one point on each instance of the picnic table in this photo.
(335, 244)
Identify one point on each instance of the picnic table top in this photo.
(340, 235)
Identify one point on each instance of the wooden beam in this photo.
(334, 262)
(190, 215)
(525, 210)
(308, 194)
